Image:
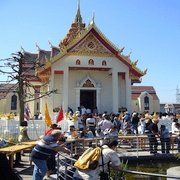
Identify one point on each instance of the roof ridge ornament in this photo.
(50, 43)
(129, 53)
(135, 63)
(121, 50)
(22, 49)
(37, 46)
(145, 71)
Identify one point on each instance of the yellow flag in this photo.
(47, 117)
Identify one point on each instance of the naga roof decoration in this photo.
(89, 41)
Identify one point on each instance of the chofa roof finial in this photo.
(37, 46)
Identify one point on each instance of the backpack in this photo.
(89, 159)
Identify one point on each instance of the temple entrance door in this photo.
(88, 98)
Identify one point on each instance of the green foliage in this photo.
(12, 142)
(177, 156)
(119, 174)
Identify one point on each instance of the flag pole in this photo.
(34, 126)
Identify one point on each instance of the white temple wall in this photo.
(99, 76)
(104, 77)
(3, 105)
(156, 106)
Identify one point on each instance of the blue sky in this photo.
(151, 28)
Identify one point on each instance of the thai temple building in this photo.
(88, 69)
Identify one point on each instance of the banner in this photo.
(60, 115)
(47, 116)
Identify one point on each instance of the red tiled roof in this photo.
(137, 90)
(142, 88)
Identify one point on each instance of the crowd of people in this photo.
(111, 125)
(43, 154)
(108, 127)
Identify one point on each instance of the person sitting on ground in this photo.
(109, 155)
(46, 147)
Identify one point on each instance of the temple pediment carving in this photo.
(91, 45)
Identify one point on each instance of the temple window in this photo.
(146, 102)
(14, 102)
(103, 63)
(91, 62)
(78, 62)
(37, 106)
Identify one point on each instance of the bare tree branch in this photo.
(19, 70)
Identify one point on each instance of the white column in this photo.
(98, 102)
(128, 93)
(115, 91)
(77, 97)
(65, 89)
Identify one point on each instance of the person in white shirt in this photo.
(173, 127)
(109, 155)
(80, 123)
(88, 111)
(177, 133)
(105, 123)
(91, 123)
(83, 110)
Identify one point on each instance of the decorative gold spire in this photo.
(78, 18)
(92, 22)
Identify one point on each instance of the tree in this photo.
(22, 74)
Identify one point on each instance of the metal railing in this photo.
(66, 169)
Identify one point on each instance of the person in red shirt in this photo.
(50, 129)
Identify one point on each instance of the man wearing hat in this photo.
(165, 140)
(153, 135)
